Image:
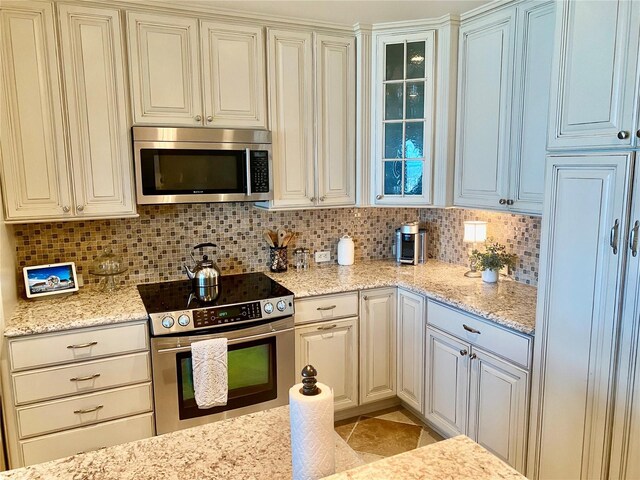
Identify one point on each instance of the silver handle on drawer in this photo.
(633, 239)
(328, 327)
(85, 451)
(613, 237)
(469, 329)
(88, 410)
(326, 308)
(84, 379)
(83, 345)
(463, 352)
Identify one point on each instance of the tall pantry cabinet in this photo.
(585, 411)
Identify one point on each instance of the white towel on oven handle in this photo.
(210, 377)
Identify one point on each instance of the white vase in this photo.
(490, 276)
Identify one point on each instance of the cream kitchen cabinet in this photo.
(332, 348)
(171, 86)
(377, 344)
(595, 76)
(36, 173)
(312, 110)
(410, 349)
(77, 390)
(477, 381)
(503, 91)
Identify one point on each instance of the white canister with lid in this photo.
(345, 251)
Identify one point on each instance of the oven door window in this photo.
(251, 377)
(188, 172)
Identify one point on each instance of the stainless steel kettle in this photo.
(205, 276)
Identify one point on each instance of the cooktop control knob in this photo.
(268, 307)
(281, 305)
(168, 321)
(183, 320)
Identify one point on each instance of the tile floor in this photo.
(385, 433)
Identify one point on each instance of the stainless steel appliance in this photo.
(411, 244)
(187, 165)
(254, 313)
(204, 276)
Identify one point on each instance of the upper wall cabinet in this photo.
(503, 92)
(595, 76)
(168, 86)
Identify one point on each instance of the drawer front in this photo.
(503, 342)
(80, 378)
(84, 410)
(77, 345)
(326, 307)
(72, 442)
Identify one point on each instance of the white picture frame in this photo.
(51, 279)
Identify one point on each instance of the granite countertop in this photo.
(86, 308)
(457, 458)
(507, 303)
(254, 446)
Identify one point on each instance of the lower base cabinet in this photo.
(410, 349)
(332, 348)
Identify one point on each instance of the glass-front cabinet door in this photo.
(403, 119)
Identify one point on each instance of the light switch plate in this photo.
(323, 256)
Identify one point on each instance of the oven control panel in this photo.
(219, 316)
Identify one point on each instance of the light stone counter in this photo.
(508, 303)
(86, 308)
(457, 458)
(255, 446)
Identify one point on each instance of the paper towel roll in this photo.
(313, 445)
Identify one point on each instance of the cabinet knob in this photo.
(321, 199)
(80, 208)
(313, 199)
(638, 134)
(66, 209)
(209, 119)
(502, 201)
(472, 356)
(198, 118)
(463, 352)
(623, 135)
(379, 197)
(509, 202)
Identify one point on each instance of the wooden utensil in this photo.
(282, 233)
(266, 234)
(290, 236)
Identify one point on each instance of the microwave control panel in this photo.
(260, 171)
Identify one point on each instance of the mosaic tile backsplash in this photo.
(155, 245)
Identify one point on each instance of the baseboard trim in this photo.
(368, 408)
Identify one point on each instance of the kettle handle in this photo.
(202, 245)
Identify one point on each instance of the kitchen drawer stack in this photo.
(79, 390)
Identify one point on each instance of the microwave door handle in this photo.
(248, 169)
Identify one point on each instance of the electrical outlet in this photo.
(323, 256)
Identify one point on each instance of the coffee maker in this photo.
(411, 244)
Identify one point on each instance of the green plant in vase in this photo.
(492, 260)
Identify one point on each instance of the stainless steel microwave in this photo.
(188, 165)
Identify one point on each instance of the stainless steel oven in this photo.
(260, 365)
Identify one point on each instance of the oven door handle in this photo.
(231, 342)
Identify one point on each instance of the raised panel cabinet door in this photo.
(290, 69)
(410, 349)
(484, 111)
(234, 76)
(332, 348)
(336, 119)
(377, 344)
(165, 69)
(93, 61)
(498, 407)
(446, 382)
(35, 178)
(532, 84)
(577, 322)
(594, 75)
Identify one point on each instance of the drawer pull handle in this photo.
(469, 329)
(89, 410)
(82, 345)
(327, 327)
(326, 308)
(84, 379)
(85, 451)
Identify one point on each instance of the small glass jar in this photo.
(301, 258)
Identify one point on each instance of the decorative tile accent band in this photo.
(155, 245)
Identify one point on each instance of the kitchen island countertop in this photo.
(507, 302)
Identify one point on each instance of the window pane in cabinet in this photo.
(393, 140)
(393, 101)
(413, 177)
(415, 60)
(392, 178)
(414, 140)
(395, 61)
(415, 100)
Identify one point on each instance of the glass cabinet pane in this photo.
(414, 140)
(393, 178)
(394, 61)
(393, 140)
(393, 101)
(413, 177)
(415, 60)
(415, 100)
